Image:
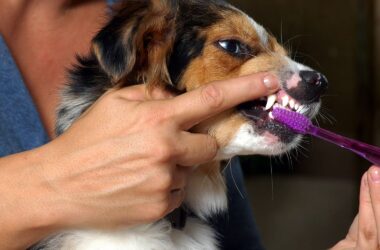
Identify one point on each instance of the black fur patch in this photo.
(194, 16)
(110, 42)
(86, 76)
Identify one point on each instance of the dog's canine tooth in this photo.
(292, 103)
(296, 106)
(271, 115)
(285, 101)
(270, 102)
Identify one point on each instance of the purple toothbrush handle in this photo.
(369, 152)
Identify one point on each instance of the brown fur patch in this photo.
(147, 34)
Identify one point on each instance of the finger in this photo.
(354, 229)
(374, 191)
(140, 92)
(180, 178)
(196, 149)
(367, 230)
(350, 242)
(206, 101)
(176, 199)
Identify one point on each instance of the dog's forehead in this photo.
(261, 32)
(247, 26)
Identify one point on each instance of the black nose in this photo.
(312, 85)
(314, 79)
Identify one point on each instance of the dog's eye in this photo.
(234, 47)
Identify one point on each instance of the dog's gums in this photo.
(260, 112)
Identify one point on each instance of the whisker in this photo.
(233, 179)
(295, 37)
(271, 177)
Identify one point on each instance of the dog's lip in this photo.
(279, 99)
(258, 112)
(259, 118)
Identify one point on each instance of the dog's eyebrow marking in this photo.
(261, 32)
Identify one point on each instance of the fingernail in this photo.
(375, 174)
(271, 82)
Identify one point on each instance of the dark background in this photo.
(309, 201)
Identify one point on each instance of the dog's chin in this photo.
(251, 139)
(262, 135)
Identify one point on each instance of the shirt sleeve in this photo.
(237, 228)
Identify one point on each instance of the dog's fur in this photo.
(184, 44)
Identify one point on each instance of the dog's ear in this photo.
(135, 45)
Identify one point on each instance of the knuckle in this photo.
(158, 114)
(211, 146)
(164, 152)
(164, 184)
(368, 233)
(167, 148)
(161, 209)
(212, 96)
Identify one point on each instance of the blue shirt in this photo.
(21, 129)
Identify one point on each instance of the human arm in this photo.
(117, 164)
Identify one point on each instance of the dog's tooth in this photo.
(300, 108)
(271, 115)
(303, 109)
(296, 106)
(285, 101)
(270, 102)
(292, 103)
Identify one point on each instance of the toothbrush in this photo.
(302, 125)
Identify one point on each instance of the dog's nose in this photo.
(312, 85)
(314, 80)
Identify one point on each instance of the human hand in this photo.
(364, 233)
(119, 163)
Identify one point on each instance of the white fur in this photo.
(204, 196)
(247, 142)
(74, 106)
(157, 236)
(295, 66)
(261, 32)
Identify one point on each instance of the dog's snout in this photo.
(307, 86)
(314, 80)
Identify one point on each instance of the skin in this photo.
(364, 233)
(109, 169)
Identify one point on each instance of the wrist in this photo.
(29, 211)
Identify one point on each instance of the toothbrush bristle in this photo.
(296, 121)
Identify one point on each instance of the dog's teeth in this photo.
(271, 115)
(296, 106)
(285, 101)
(292, 103)
(270, 102)
(300, 108)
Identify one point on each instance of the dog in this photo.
(182, 45)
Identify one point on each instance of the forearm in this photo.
(27, 210)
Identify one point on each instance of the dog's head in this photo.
(184, 44)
